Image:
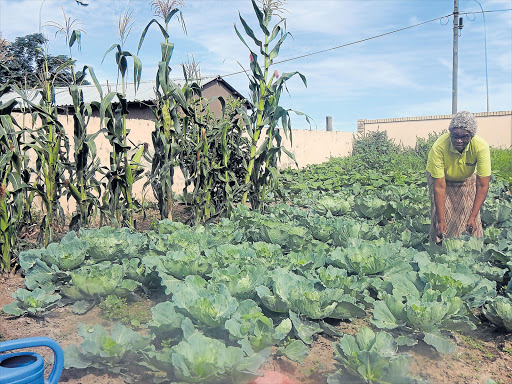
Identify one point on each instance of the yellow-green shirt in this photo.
(445, 161)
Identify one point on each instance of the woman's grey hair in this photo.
(464, 120)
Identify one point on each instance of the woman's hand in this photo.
(442, 228)
(471, 225)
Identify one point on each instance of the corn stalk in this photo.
(11, 183)
(169, 97)
(265, 90)
(82, 184)
(51, 146)
(125, 169)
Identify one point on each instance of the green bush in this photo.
(501, 162)
(373, 150)
(423, 145)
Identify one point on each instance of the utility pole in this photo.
(457, 25)
(328, 123)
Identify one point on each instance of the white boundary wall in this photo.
(494, 127)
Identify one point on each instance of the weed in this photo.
(508, 350)
(315, 368)
(478, 345)
(117, 309)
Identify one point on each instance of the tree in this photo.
(25, 58)
(4, 54)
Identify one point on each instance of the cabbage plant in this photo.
(291, 292)
(499, 311)
(249, 323)
(369, 257)
(241, 281)
(336, 205)
(179, 263)
(116, 350)
(35, 302)
(370, 357)
(473, 289)
(200, 359)
(66, 255)
(95, 281)
(108, 243)
(209, 305)
(424, 313)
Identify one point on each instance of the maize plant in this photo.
(212, 158)
(51, 146)
(11, 183)
(169, 97)
(266, 87)
(195, 158)
(82, 184)
(125, 169)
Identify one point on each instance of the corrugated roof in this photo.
(63, 98)
(145, 93)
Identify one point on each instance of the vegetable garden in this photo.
(275, 264)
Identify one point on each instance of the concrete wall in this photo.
(494, 127)
(315, 147)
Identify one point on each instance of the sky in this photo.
(403, 74)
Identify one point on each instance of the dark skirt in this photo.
(460, 197)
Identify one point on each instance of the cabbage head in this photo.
(107, 243)
(66, 255)
(499, 311)
(94, 281)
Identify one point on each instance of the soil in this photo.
(480, 355)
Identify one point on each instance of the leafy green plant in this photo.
(422, 312)
(373, 150)
(92, 282)
(499, 311)
(364, 257)
(299, 294)
(35, 303)
(336, 205)
(240, 280)
(67, 255)
(12, 171)
(423, 145)
(209, 305)
(372, 358)
(501, 160)
(200, 359)
(116, 308)
(165, 323)
(108, 243)
(249, 323)
(471, 287)
(266, 89)
(118, 350)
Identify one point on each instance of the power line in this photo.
(348, 44)
(366, 39)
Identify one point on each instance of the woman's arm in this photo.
(439, 198)
(482, 186)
